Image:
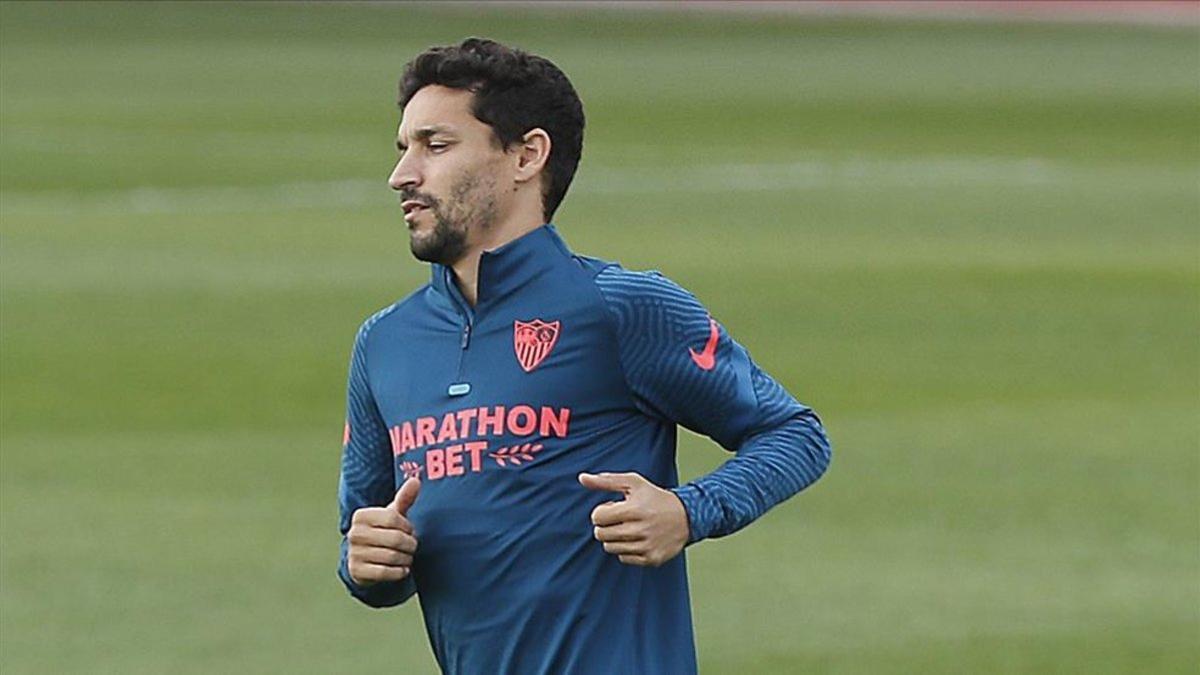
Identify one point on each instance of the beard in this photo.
(445, 244)
(472, 205)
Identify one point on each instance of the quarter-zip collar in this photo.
(507, 268)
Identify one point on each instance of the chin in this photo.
(425, 252)
(422, 253)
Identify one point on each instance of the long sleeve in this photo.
(367, 475)
(683, 367)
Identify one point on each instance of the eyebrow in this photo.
(423, 133)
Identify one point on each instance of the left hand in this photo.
(647, 528)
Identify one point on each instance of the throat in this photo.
(466, 277)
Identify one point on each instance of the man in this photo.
(525, 401)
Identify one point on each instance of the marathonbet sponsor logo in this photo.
(456, 443)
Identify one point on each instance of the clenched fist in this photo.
(647, 528)
(382, 541)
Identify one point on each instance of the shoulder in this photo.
(393, 312)
(621, 286)
(614, 281)
(647, 305)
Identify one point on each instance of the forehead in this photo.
(438, 106)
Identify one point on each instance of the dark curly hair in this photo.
(513, 92)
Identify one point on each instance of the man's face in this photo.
(448, 174)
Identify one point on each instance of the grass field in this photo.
(973, 248)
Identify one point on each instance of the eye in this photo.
(438, 146)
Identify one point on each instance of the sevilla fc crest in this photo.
(533, 341)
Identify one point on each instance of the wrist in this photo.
(690, 497)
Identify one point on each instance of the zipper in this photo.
(462, 351)
(460, 386)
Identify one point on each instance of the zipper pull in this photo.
(466, 336)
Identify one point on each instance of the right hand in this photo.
(382, 541)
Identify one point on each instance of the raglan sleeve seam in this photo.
(368, 326)
(613, 323)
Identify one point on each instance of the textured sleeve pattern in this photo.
(683, 367)
(367, 477)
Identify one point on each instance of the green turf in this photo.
(973, 248)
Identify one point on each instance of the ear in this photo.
(532, 154)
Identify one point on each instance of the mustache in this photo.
(425, 198)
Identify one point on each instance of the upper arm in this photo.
(367, 475)
(683, 366)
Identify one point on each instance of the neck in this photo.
(466, 270)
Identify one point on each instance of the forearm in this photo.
(769, 467)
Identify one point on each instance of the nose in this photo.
(404, 175)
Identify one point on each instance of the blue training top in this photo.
(566, 364)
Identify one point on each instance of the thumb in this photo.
(611, 482)
(406, 495)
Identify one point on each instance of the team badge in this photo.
(533, 341)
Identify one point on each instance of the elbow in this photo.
(817, 446)
(824, 457)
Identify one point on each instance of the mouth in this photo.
(411, 208)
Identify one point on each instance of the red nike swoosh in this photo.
(707, 359)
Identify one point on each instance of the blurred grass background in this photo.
(973, 248)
